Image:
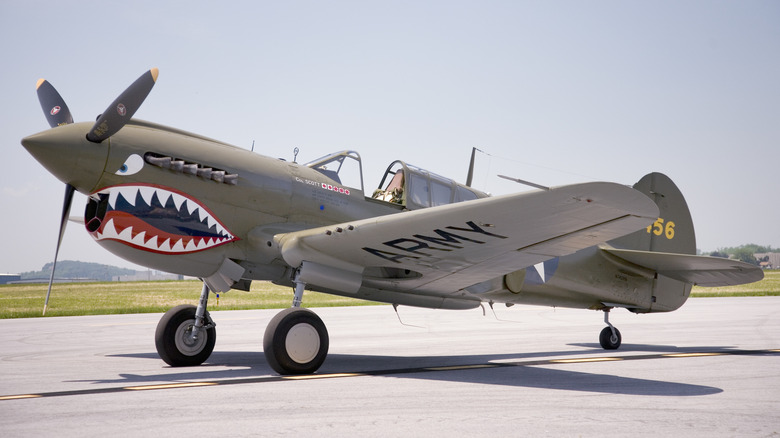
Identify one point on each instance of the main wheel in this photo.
(174, 341)
(295, 342)
(608, 340)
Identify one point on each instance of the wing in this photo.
(698, 270)
(443, 249)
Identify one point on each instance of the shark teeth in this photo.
(138, 234)
(154, 244)
(129, 193)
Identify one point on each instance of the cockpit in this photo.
(402, 184)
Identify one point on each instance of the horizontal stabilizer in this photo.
(699, 270)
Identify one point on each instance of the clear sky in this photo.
(556, 92)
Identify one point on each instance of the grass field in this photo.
(769, 286)
(72, 299)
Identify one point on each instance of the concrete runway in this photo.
(709, 369)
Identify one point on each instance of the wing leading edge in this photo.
(442, 250)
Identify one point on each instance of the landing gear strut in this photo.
(185, 335)
(610, 337)
(296, 340)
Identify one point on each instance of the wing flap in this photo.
(699, 270)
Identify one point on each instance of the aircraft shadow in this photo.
(668, 349)
(566, 380)
(532, 375)
(515, 370)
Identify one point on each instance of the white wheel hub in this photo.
(302, 343)
(184, 341)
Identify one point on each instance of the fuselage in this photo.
(182, 203)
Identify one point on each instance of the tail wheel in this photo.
(175, 343)
(609, 340)
(295, 342)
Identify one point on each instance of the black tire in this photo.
(295, 342)
(174, 347)
(608, 341)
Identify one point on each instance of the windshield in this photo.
(344, 167)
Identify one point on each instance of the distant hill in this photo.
(75, 269)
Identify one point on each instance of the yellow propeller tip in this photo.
(40, 81)
(154, 72)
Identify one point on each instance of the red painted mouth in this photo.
(154, 219)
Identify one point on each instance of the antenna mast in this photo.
(471, 168)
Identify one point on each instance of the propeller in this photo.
(123, 107)
(57, 113)
(54, 107)
(114, 118)
(69, 190)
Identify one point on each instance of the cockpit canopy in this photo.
(402, 184)
(417, 188)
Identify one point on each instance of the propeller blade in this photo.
(69, 190)
(122, 109)
(53, 105)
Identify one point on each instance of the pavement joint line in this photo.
(586, 359)
(694, 354)
(19, 397)
(169, 386)
(387, 372)
(461, 367)
(322, 376)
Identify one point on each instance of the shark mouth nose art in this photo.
(155, 219)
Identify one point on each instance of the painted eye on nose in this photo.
(132, 165)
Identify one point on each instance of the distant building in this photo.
(7, 278)
(45, 280)
(773, 260)
(148, 275)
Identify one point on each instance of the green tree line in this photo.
(75, 269)
(744, 253)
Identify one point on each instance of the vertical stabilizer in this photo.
(673, 231)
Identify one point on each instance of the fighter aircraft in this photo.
(182, 203)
